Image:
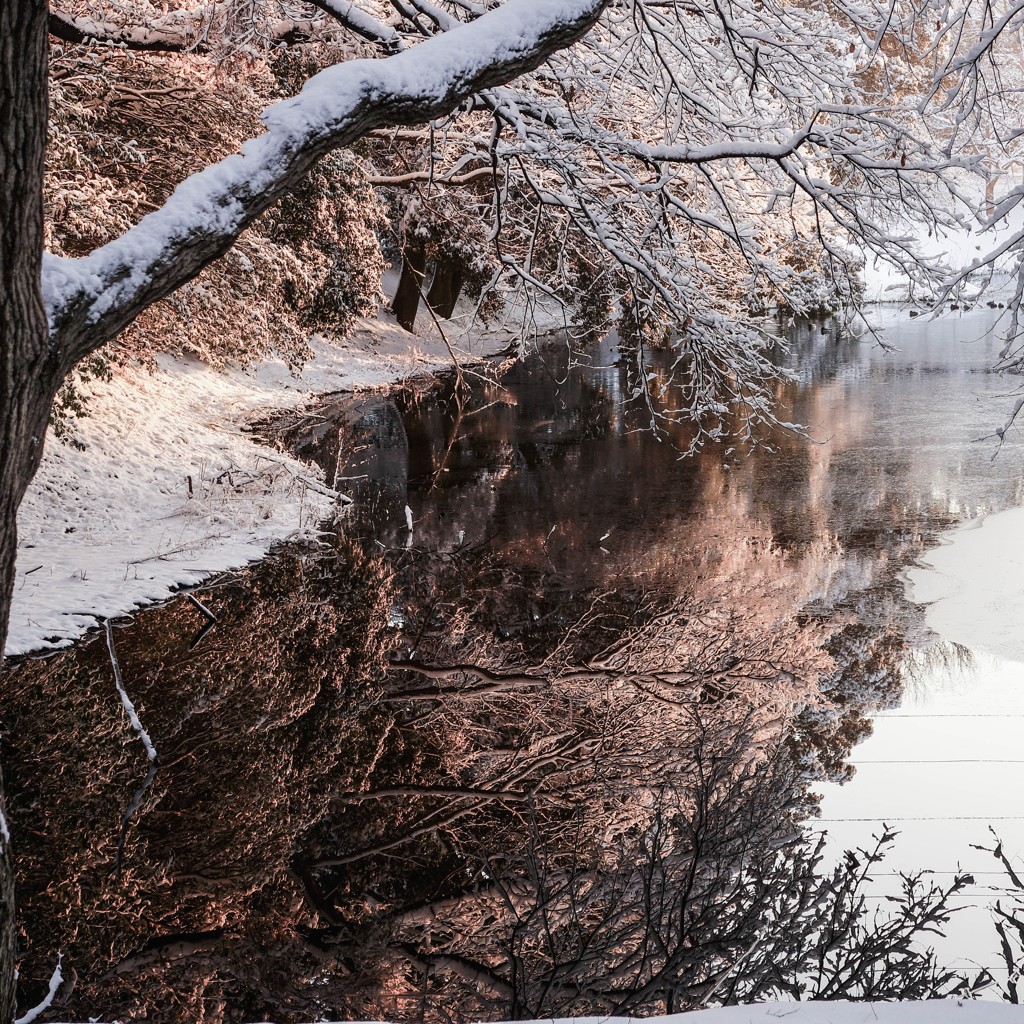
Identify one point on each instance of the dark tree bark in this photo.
(28, 369)
(445, 288)
(407, 298)
(92, 299)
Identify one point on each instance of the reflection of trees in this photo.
(559, 800)
(252, 731)
(866, 678)
(712, 896)
(588, 805)
(1008, 919)
(574, 792)
(714, 901)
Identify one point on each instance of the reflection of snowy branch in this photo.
(55, 982)
(147, 742)
(126, 700)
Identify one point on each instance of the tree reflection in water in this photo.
(505, 771)
(558, 802)
(252, 730)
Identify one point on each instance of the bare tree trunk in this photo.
(445, 288)
(407, 298)
(28, 368)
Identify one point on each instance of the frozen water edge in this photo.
(113, 528)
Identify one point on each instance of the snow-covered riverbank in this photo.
(973, 585)
(172, 488)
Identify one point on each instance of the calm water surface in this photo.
(554, 468)
(543, 711)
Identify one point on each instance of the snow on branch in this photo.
(90, 299)
(182, 31)
(359, 22)
(155, 36)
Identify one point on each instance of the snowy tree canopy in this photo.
(90, 299)
(679, 172)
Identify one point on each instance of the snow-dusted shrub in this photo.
(330, 225)
(126, 128)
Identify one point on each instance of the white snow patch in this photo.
(973, 585)
(934, 1011)
(115, 527)
(126, 701)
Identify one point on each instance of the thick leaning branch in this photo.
(90, 299)
(72, 29)
(179, 31)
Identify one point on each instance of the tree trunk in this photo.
(407, 298)
(445, 288)
(28, 367)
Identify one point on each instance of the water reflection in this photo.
(253, 732)
(543, 753)
(548, 803)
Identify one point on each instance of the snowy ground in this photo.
(973, 585)
(171, 489)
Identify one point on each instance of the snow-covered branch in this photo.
(187, 29)
(159, 35)
(362, 24)
(89, 300)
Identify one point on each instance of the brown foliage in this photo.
(200, 910)
(126, 128)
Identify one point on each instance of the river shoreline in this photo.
(172, 485)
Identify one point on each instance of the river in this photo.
(536, 730)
